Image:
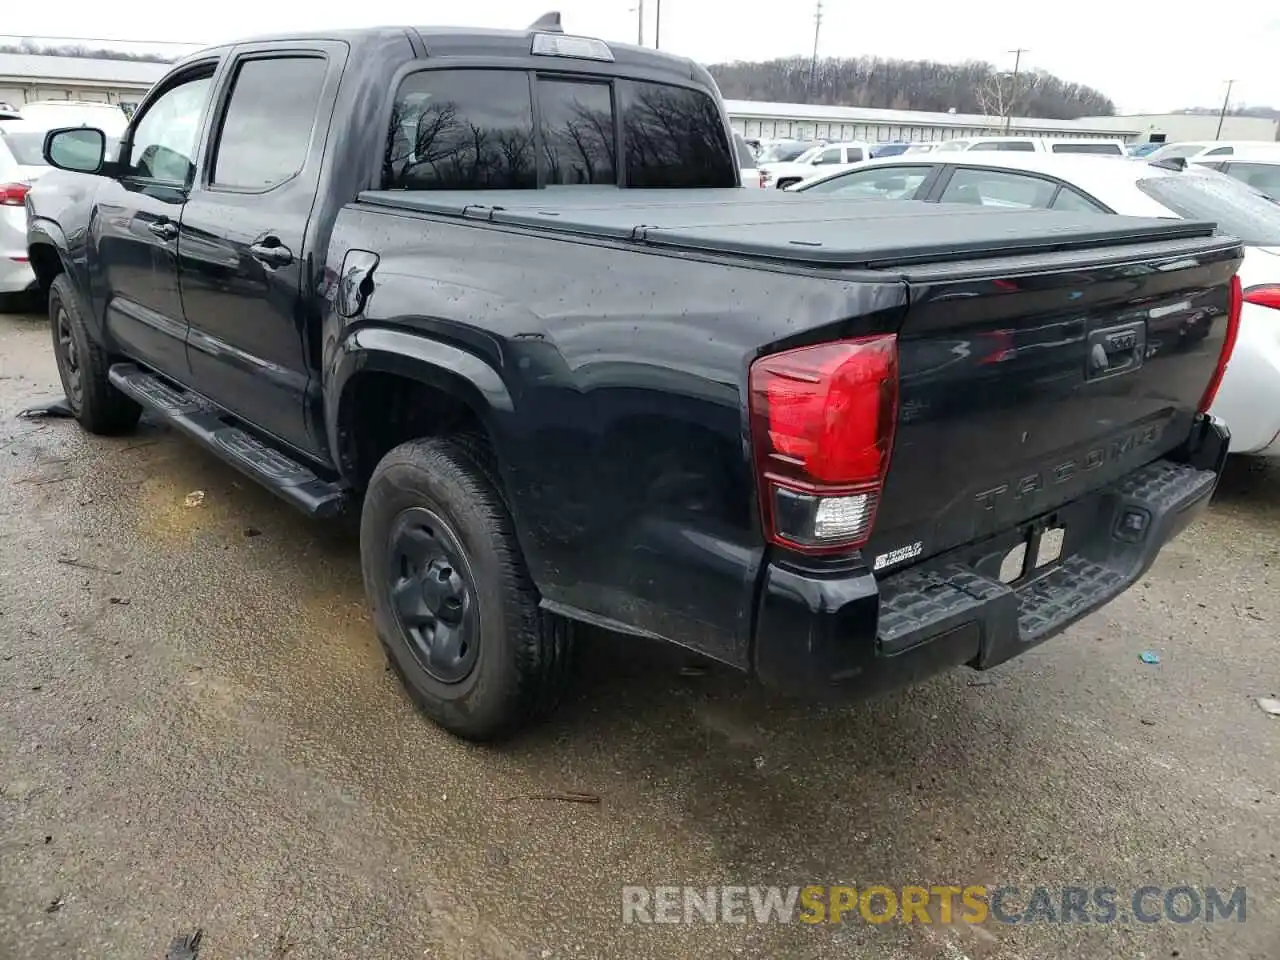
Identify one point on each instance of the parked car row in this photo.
(1249, 398)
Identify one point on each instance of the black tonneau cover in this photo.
(777, 225)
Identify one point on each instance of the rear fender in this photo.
(440, 365)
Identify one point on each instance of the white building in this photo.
(814, 121)
(1192, 126)
(28, 77)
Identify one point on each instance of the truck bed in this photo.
(821, 231)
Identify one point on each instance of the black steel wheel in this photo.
(451, 597)
(83, 366)
(432, 594)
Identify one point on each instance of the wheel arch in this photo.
(447, 389)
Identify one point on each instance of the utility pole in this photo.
(813, 64)
(1013, 93)
(1222, 114)
(657, 27)
(640, 23)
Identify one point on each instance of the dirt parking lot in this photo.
(197, 730)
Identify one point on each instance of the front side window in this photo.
(164, 140)
(578, 135)
(834, 155)
(462, 130)
(998, 188)
(675, 138)
(266, 132)
(878, 183)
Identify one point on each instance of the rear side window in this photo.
(746, 159)
(1237, 210)
(1015, 146)
(1264, 177)
(1101, 149)
(27, 148)
(675, 138)
(462, 130)
(266, 132)
(998, 188)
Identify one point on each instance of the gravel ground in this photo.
(197, 730)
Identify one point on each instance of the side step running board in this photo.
(205, 423)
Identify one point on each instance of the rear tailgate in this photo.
(1029, 381)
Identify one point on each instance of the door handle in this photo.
(274, 255)
(164, 229)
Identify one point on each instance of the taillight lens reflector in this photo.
(822, 422)
(13, 194)
(1264, 295)
(1228, 344)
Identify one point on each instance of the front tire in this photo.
(452, 600)
(83, 366)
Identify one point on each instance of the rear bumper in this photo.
(842, 629)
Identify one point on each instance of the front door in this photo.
(135, 234)
(244, 257)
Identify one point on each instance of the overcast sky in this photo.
(1147, 56)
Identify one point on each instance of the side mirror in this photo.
(79, 149)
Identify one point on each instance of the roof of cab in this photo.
(442, 41)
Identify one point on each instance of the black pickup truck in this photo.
(502, 293)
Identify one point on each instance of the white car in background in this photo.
(1105, 148)
(21, 163)
(1201, 149)
(1259, 167)
(1249, 398)
(49, 114)
(816, 160)
(748, 171)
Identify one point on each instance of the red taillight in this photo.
(13, 194)
(764, 181)
(822, 421)
(1228, 344)
(1264, 295)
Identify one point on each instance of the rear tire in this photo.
(452, 600)
(83, 366)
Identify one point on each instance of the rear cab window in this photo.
(465, 129)
(1238, 210)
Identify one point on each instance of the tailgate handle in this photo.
(1117, 350)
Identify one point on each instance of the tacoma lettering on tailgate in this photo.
(1094, 458)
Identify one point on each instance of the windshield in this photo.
(27, 148)
(745, 156)
(783, 152)
(1236, 209)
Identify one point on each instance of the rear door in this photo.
(244, 261)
